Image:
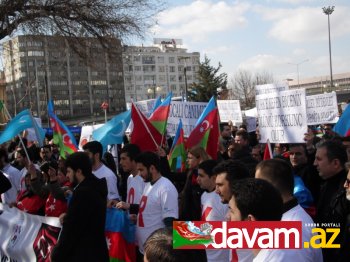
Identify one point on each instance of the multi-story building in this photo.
(321, 84)
(38, 68)
(159, 69)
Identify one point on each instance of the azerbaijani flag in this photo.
(206, 131)
(177, 155)
(120, 236)
(61, 134)
(157, 103)
(159, 117)
(342, 127)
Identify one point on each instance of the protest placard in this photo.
(230, 110)
(188, 112)
(251, 124)
(31, 136)
(145, 106)
(322, 109)
(270, 88)
(282, 116)
(86, 134)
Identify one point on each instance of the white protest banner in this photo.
(251, 112)
(270, 88)
(145, 106)
(282, 116)
(230, 110)
(31, 136)
(322, 109)
(188, 112)
(251, 124)
(86, 134)
(25, 237)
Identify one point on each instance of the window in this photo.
(137, 58)
(161, 59)
(148, 60)
(34, 43)
(138, 78)
(172, 78)
(35, 53)
(171, 59)
(161, 69)
(172, 69)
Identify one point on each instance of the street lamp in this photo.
(185, 71)
(154, 90)
(297, 65)
(328, 11)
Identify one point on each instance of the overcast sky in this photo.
(264, 35)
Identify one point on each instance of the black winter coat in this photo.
(83, 233)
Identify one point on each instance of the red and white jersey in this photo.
(135, 187)
(214, 210)
(158, 201)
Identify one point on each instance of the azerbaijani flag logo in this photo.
(186, 235)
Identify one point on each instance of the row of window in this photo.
(173, 87)
(161, 69)
(161, 59)
(161, 78)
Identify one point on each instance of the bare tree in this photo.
(243, 86)
(103, 19)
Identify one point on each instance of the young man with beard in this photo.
(82, 236)
(158, 206)
(212, 208)
(227, 173)
(94, 150)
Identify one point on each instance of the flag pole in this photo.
(144, 124)
(20, 138)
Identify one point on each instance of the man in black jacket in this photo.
(330, 162)
(4, 183)
(82, 237)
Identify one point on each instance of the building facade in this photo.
(159, 69)
(39, 68)
(321, 84)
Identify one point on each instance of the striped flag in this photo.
(61, 134)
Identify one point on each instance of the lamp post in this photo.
(297, 65)
(185, 75)
(154, 90)
(328, 11)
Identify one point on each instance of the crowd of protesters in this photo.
(306, 182)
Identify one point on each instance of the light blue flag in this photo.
(19, 123)
(156, 104)
(113, 131)
(39, 132)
